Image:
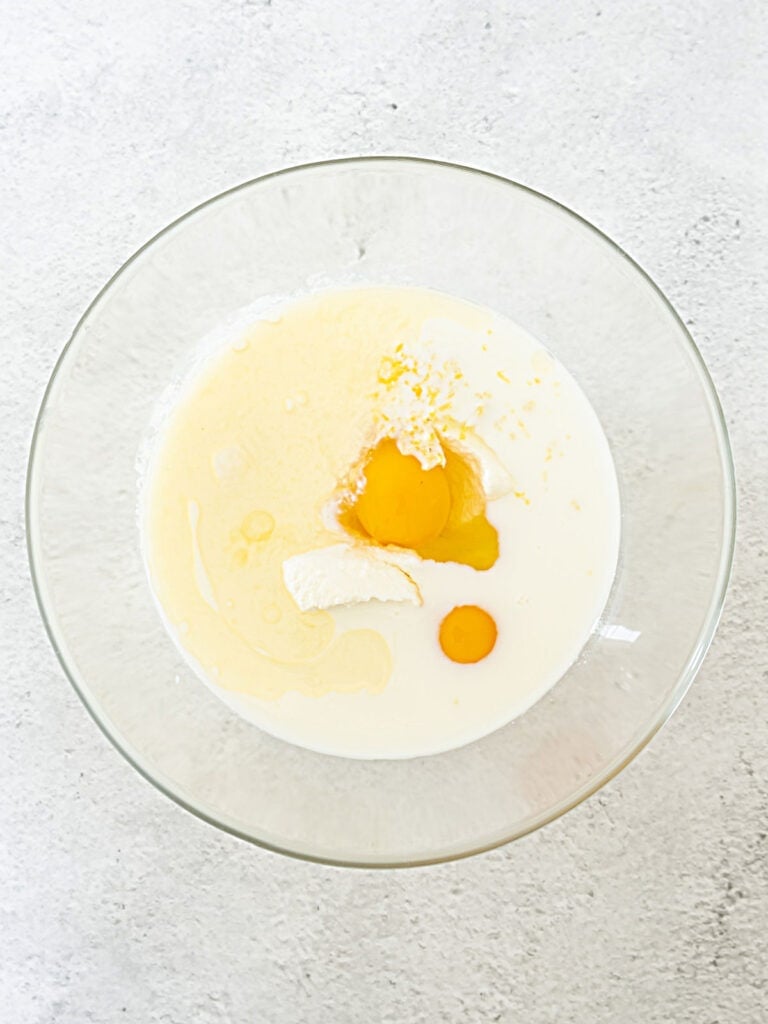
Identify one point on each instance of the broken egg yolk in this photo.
(468, 537)
(439, 512)
(402, 503)
(467, 634)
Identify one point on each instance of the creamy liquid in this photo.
(241, 475)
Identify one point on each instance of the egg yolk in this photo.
(439, 513)
(468, 537)
(467, 634)
(402, 503)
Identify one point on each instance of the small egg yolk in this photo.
(402, 503)
(467, 634)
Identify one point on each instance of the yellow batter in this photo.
(237, 487)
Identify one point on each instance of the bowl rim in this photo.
(696, 654)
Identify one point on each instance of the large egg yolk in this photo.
(439, 513)
(402, 503)
(467, 634)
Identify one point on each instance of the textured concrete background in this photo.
(647, 904)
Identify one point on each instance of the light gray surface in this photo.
(649, 902)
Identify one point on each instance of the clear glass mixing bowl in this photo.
(404, 222)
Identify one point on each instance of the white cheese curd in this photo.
(346, 574)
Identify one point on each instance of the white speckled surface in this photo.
(649, 902)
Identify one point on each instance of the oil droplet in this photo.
(289, 404)
(257, 525)
(302, 398)
(271, 613)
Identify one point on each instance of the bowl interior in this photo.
(403, 222)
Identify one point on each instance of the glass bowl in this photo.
(404, 222)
